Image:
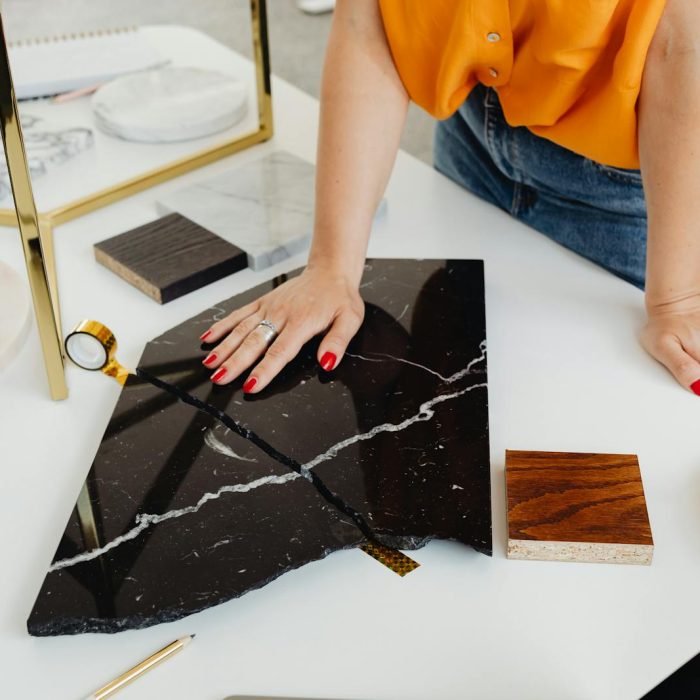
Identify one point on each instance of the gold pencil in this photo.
(137, 671)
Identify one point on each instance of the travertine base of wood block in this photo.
(587, 552)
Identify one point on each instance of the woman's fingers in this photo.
(685, 368)
(232, 341)
(299, 309)
(339, 335)
(221, 328)
(279, 354)
(286, 347)
(253, 345)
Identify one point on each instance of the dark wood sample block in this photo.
(567, 506)
(170, 257)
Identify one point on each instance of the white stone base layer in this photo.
(15, 314)
(587, 552)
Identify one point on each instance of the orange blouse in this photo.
(569, 70)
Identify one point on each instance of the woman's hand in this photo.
(318, 300)
(672, 336)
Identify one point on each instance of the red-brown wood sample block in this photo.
(567, 506)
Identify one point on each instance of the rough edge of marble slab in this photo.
(64, 626)
(583, 552)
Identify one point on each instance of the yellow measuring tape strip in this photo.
(397, 561)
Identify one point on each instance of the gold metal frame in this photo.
(36, 240)
(37, 229)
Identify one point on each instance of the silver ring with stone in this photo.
(268, 329)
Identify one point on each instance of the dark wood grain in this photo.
(574, 497)
(170, 257)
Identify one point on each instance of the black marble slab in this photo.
(684, 683)
(180, 513)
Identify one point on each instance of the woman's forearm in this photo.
(669, 145)
(363, 109)
(669, 149)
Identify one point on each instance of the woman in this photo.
(551, 107)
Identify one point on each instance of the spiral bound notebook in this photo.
(54, 65)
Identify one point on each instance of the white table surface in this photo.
(565, 373)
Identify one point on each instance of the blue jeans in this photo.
(595, 210)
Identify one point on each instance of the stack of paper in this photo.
(52, 66)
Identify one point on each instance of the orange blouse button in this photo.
(493, 37)
(493, 72)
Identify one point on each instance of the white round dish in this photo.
(169, 104)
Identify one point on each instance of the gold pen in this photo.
(137, 671)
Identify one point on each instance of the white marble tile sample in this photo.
(264, 207)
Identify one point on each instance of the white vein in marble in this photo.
(145, 520)
(382, 357)
(213, 443)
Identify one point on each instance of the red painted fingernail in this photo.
(250, 383)
(328, 361)
(204, 336)
(210, 359)
(695, 387)
(219, 374)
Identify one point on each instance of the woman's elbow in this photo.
(677, 37)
